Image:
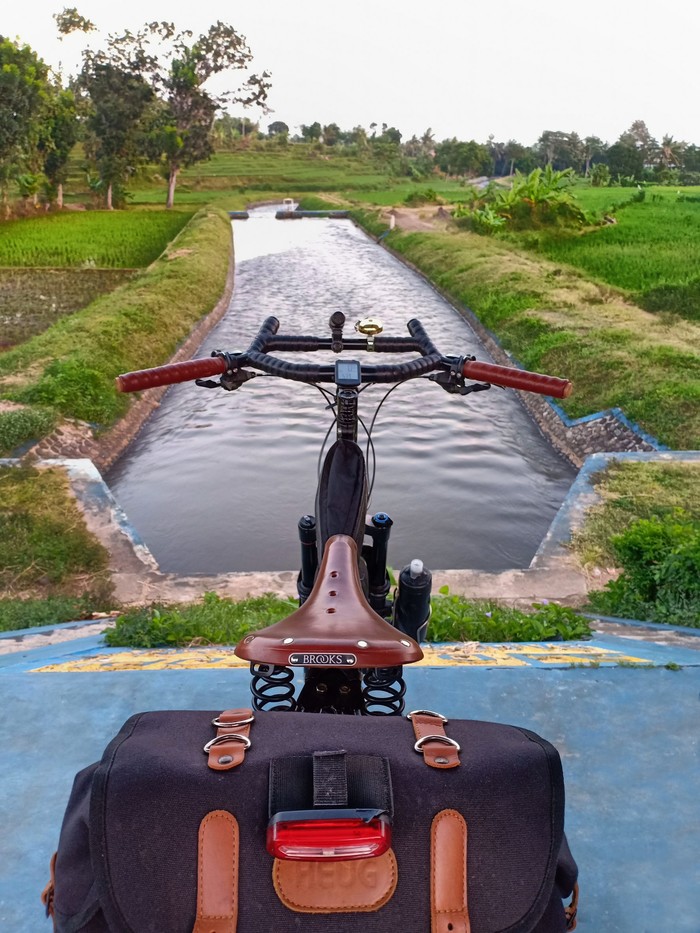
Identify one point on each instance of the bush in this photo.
(24, 424)
(17, 614)
(660, 579)
(455, 618)
(426, 196)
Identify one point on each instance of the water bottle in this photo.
(412, 606)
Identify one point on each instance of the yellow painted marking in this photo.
(163, 659)
(469, 654)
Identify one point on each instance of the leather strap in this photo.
(228, 747)
(47, 895)
(438, 749)
(448, 874)
(217, 874)
(571, 911)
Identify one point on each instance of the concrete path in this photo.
(626, 725)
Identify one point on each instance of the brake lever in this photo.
(229, 381)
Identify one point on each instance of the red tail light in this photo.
(328, 835)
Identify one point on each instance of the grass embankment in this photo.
(553, 320)
(647, 523)
(223, 622)
(46, 550)
(69, 369)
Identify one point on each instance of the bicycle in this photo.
(307, 817)
(350, 637)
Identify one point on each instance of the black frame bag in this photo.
(161, 837)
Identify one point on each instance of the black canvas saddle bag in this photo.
(161, 837)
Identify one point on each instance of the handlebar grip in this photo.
(170, 374)
(517, 379)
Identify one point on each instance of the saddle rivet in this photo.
(441, 761)
(362, 644)
(247, 641)
(227, 759)
(287, 641)
(406, 644)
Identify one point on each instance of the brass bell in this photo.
(369, 326)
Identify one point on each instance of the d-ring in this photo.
(426, 712)
(220, 724)
(443, 739)
(229, 736)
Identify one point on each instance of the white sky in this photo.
(464, 69)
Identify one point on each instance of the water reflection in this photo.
(216, 481)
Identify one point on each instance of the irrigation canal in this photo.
(216, 481)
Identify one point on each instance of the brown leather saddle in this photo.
(335, 627)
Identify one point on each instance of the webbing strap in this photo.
(330, 779)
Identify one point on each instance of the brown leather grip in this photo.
(517, 379)
(170, 374)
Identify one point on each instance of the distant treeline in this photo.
(143, 98)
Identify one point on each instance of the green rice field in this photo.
(90, 239)
(652, 252)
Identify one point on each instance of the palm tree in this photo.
(669, 153)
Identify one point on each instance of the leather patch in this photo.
(354, 886)
(448, 873)
(217, 874)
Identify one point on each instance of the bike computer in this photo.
(347, 373)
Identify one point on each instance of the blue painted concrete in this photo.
(628, 739)
(655, 626)
(47, 629)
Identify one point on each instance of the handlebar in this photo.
(430, 359)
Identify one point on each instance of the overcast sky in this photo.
(511, 68)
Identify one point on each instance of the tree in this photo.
(23, 93)
(514, 152)
(120, 100)
(331, 134)
(59, 133)
(177, 66)
(639, 138)
(593, 150)
(625, 160)
(669, 153)
(312, 132)
(278, 128)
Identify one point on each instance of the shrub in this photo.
(660, 579)
(426, 196)
(24, 424)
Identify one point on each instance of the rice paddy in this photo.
(90, 239)
(31, 300)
